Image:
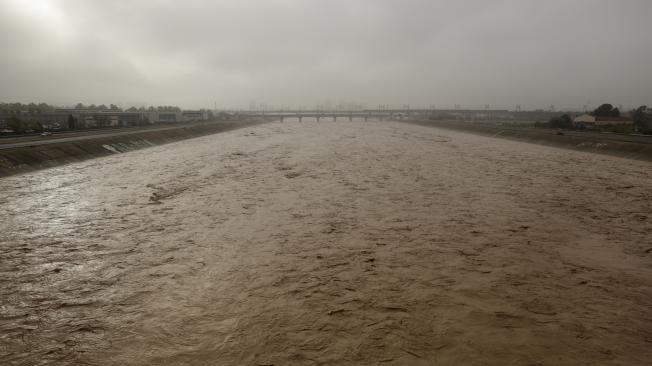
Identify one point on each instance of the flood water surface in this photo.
(329, 243)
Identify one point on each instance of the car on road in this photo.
(46, 133)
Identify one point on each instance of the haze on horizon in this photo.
(567, 53)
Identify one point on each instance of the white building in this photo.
(589, 121)
(189, 116)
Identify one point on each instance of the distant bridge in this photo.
(373, 113)
(320, 114)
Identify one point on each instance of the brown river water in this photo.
(375, 243)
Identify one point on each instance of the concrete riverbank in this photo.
(626, 146)
(33, 155)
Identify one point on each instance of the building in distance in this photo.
(589, 121)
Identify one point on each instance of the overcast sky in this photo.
(192, 53)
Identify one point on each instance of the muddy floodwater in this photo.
(331, 243)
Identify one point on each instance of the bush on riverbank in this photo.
(19, 126)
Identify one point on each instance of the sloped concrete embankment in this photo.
(29, 158)
(615, 145)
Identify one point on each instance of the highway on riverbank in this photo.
(71, 136)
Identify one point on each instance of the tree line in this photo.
(641, 119)
(10, 108)
(29, 117)
(12, 115)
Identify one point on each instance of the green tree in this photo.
(71, 122)
(36, 126)
(15, 124)
(563, 121)
(606, 110)
(44, 107)
(642, 120)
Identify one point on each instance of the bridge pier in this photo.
(300, 118)
(334, 118)
(317, 118)
(281, 118)
(350, 118)
(365, 118)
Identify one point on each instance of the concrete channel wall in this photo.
(28, 158)
(631, 147)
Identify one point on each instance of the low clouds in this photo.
(299, 52)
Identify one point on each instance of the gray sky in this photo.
(306, 52)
